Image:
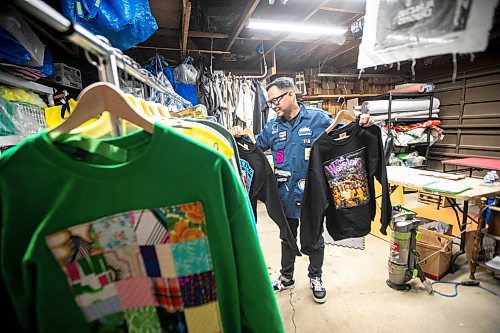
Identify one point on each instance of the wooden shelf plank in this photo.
(485, 233)
(482, 264)
(310, 97)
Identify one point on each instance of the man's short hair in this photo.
(282, 83)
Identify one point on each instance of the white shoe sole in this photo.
(285, 288)
(319, 300)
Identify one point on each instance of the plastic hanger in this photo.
(247, 133)
(100, 97)
(343, 116)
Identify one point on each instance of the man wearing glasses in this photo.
(290, 137)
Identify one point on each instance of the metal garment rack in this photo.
(109, 59)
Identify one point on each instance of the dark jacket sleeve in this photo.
(381, 175)
(268, 194)
(314, 204)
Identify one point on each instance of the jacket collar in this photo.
(303, 113)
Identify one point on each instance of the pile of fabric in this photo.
(408, 134)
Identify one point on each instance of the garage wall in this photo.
(470, 115)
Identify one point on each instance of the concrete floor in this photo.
(360, 301)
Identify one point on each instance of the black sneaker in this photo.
(318, 291)
(283, 283)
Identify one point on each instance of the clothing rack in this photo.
(109, 59)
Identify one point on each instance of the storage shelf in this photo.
(402, 95)
(310, 97)
(413, 144)
(486, 234)
(25, 84)
(391, 97)
(399, 120)
(482, 264)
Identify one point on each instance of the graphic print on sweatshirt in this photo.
(142, 271)
(346, 176)
(248, 173)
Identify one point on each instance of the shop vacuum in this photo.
(403, 257)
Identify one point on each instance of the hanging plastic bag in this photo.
(21, 95)
(20, 119)
(185, 72)
(124, 23)
(11, 49)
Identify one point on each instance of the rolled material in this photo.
(412, 114)
(413, 88)
(378, 107)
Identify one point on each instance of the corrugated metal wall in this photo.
(470, 115)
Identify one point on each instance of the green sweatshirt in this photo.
(148, 233)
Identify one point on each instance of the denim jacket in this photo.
(291, 146)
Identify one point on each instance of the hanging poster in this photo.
(398, 30)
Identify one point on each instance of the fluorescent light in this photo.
(303, 28)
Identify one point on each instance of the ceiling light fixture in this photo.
(291, 27)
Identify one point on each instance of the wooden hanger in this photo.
(342, 115)
(99, 97)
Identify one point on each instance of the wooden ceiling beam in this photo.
(217, 35)
(284, 36)
(340, 10)
(314, 45)
(179, 49)
(247, 12)
(186, 16)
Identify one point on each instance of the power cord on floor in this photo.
(469, 283)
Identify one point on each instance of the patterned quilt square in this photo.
(115, 231)
(111, 323)
(100, 309)
(144, 320)
(167, 293)
(166, 260)
(198, 289)
(172, 322)
(150, 259)
(70, 245)
(185, 222)
(125, 263)
(150, 227)
(192, 257)
(135, 293)
(204, 318)
(87, 296)
(90, 280)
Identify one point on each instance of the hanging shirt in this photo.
(260, 184)
(260, 108)
(202, 133)
(291, 146)
(146, 233)
(340, 185)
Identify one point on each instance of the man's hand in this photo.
(237, 131)
(365, 120)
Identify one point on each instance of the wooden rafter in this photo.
(338, 9)
(186, 15)
(218, 35)
(308, 16)
(178, 49)
(247, 12)
(314, 45)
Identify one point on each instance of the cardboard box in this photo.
(435, 250)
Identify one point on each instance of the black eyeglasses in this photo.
(276, 100)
